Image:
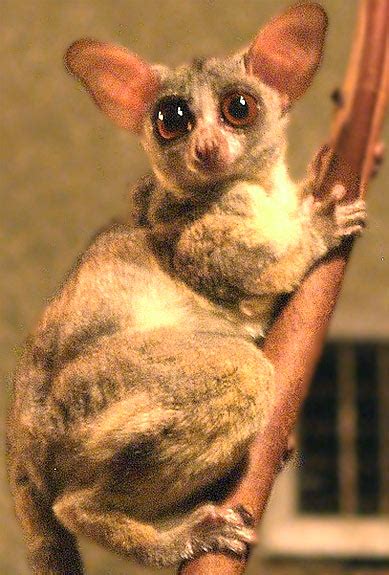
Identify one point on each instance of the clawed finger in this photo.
(351, 231)
(336, 195)
(353, 218)
(358, 206)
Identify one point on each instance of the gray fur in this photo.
(142, 387)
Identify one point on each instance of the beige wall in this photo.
(65, 170)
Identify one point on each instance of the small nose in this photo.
(206, 152)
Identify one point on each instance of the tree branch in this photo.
(296, 339)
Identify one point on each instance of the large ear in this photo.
(120, 83)
(288, 50)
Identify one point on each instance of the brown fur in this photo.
(104, 409)
(138, 394)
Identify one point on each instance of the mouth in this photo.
(210, 166)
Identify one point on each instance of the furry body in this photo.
(139, 393)
(123, 395)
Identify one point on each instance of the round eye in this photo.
(173, 118)
(239, 109)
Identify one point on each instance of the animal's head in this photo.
(214, 119)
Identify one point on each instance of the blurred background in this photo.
(66, 172)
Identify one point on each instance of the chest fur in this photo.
(223, 252)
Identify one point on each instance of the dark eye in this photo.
(239, 109)
(173, 118)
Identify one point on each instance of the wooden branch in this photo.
(295, 341)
